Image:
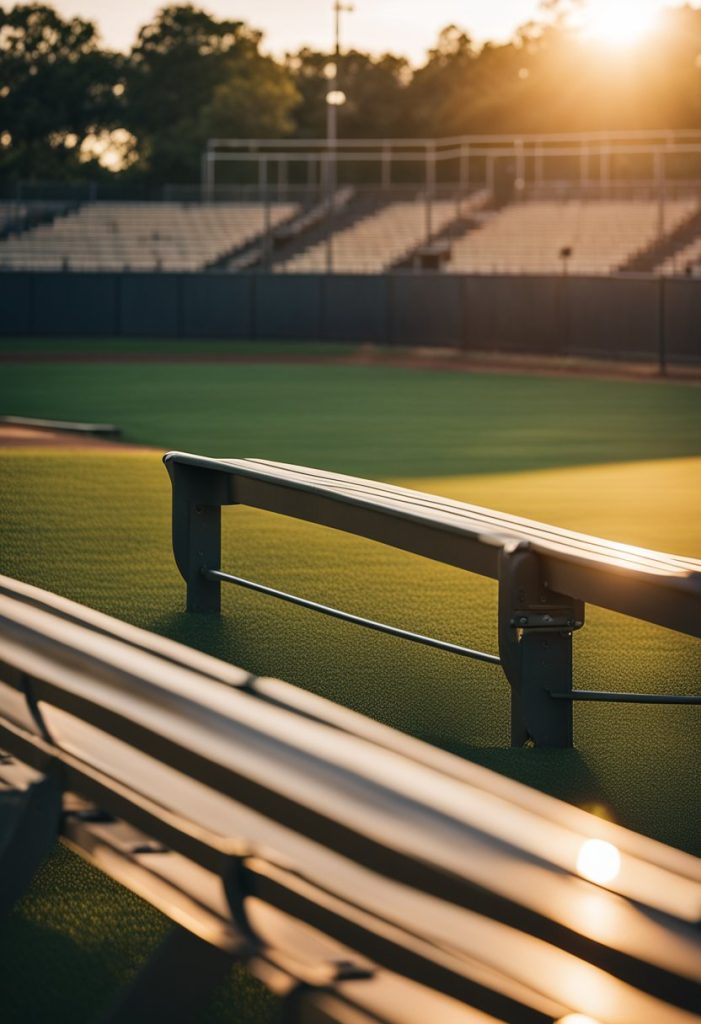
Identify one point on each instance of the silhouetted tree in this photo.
(57, 89)
(190, 76)
(375, 89)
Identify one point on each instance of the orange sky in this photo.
(402, 26)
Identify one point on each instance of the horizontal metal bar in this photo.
(294, 156)
(537, 139)
(627, 698)
(336, 613)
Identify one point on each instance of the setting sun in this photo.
(621, 23)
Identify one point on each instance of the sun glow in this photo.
(619, 22)
(598, 861)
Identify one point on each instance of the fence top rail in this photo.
(654, 586)
(350, 154)
(535, 139)
(346, 821)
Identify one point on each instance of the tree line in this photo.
(72, 110)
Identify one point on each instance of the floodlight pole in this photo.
(332, 127)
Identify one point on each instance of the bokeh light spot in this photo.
(599, 862)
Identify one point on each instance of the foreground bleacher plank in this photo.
(363, 875)
(546, 575)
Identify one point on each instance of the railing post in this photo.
(535, 646)
(197, 499)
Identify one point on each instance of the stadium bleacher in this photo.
(529, 236)
(685, 261)
(141, 236)
(541, 234)
(376, 242)
(17, 216)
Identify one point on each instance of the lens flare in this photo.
(619, 23)
(577, 1018)
(598, 861)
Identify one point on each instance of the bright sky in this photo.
(402, 26)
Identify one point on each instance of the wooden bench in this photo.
(363, 875)
(546, 575)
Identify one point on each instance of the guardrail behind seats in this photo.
(545, 574)
(362, 875)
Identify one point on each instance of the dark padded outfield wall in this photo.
(626, 317)
(74, 304)
(682, 320)
(151, 306)
(288, 306)
(426, 310)
(355, 308)
(514, 314)
(217, 306)
(16, 304)
(605, 314)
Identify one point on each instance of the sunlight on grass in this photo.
(655, 504)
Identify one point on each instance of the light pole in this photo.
(335, 98)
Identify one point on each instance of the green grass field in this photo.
(618, 459)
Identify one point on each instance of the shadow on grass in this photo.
(46, 976)
(210, 634)
(561, 773)
(76, 938)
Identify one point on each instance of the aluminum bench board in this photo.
(413, 867)
(660, 588)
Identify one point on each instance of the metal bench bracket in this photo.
(535, 646)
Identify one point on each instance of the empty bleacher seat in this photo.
(530, 236)
(376, 242)
(141, 236)
(686, 260)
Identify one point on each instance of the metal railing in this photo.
(588, 157)
(545, 574)
(358, 873)
(356, 620)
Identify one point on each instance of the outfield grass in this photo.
(96, 527)
(374, 421)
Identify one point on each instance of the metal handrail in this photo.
(615, 697)
(628, 698)
(524, 138)
(358, 620)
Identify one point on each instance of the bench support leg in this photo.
(197, 535)
(174, 985)
(535, 646)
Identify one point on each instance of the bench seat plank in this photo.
(392, 855)
(660, 588)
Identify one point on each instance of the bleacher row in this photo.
(600, 234)
(539, 235)
(374, 243)
(689, 256)
(141, 236)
